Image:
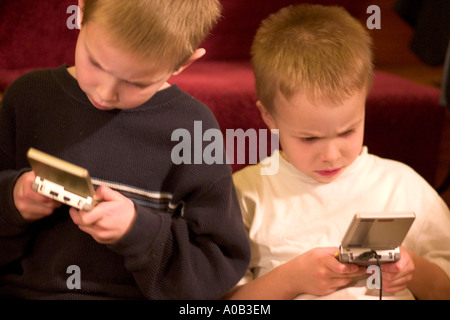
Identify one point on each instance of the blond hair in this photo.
(167, 31)
(320, 51)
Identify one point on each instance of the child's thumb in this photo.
(104, 193)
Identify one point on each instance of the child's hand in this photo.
(397, 275)
(32, 205)
(320, 273)
(109, 220)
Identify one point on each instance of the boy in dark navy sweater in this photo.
(161, 230)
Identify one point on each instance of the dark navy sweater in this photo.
(188, 239)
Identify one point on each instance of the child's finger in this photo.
(85, 218)
(343, 269)
(103, 193)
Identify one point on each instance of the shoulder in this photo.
(393, 169)
(24, 81)
(36, 81)
(253, 185)
(402, 184)
(183, 109)
(197, 110)
(34, 77)
(257, 186)
(248, 178)
(266, 175)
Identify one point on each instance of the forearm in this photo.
(274, 285)
(429, 280)
(159, 246)
(13, 236)
(11, 221)
(315, 272)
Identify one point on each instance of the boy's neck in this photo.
(164, 86)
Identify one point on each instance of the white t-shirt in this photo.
(289, 213)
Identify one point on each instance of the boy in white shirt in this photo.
(313, 69)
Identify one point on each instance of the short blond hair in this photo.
(167, 31)
(319, 51)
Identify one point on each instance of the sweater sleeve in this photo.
(13, 227)
(197, 254)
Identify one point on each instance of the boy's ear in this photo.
(266, 116)
(80, 10)
(200, 52)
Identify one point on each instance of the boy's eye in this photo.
(137, 85)
(95, 64)
(309, 139)
(346, 133)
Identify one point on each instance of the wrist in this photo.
(294, 279)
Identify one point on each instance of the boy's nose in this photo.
(330, 153)
(107, 91)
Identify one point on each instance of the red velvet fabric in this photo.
(33, 34)
(404, 120)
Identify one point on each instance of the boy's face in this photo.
(113, 78)
(319, 139)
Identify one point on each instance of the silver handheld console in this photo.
(370, 232)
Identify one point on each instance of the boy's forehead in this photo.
(102, 51)
(303, 110)
(304, 100)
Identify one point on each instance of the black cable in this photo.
(379, 267)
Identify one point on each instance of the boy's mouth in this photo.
(329, 173)
(99, 106)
